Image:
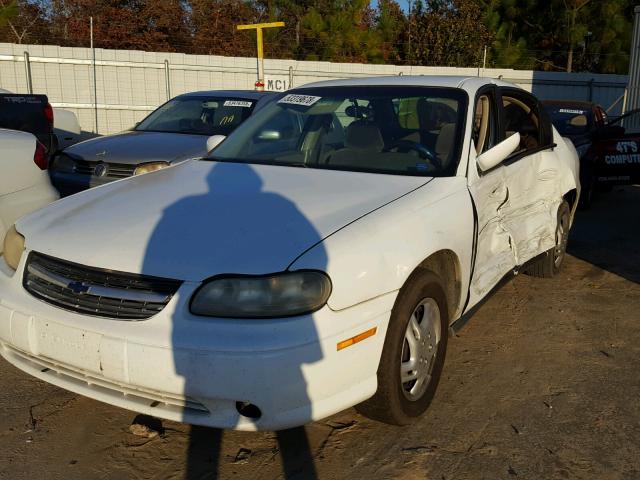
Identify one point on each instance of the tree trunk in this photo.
(572, 24)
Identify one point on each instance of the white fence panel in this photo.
(132, 83)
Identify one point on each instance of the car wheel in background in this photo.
(549, 265)
(414, 351)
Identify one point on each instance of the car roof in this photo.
(451, 81)
(246, 94)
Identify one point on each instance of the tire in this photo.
(422, 299)
(549, 265)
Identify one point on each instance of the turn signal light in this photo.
(358, 338)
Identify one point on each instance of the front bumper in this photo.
(192, 369)
(71, 183)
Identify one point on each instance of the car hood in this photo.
(203, 218)
(140, 147)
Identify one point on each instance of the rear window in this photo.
(570, 120)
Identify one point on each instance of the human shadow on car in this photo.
(606, 234)
(233, 226)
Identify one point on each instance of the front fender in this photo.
(376, 254)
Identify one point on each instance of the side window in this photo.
(521, 117)
(484, 124)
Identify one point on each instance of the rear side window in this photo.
(523, 114)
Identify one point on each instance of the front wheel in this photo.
(413, 354)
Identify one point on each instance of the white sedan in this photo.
(316, 260)
(24, 181)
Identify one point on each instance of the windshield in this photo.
(198, 115)
(570, 120)
(395, 130)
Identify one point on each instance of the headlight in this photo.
(278, 295)
(13, 248)
(62, 163)
(150, 167)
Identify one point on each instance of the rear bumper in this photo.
(194, 370)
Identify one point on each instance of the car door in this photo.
(619, 151)
(493, 253)
(532, 174)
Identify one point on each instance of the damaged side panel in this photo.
(494, 251)
(517, 205)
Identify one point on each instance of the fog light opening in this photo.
(248, 410)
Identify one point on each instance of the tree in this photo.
(340, 31)
(391, 28)
(22, 21)
(447, 33)
(575, 30)
(214, 26)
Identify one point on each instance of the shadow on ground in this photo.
(607, 234)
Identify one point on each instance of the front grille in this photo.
(95, 291)
(113, 170)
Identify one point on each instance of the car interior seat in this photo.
(445, 143)
(362, 139)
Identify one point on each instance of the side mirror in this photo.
(214, 141)
(499, 153)
(267, 135)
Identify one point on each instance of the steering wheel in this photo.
(425, 153)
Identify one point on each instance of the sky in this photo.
(404, 4)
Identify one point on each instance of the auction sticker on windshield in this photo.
(238, 103)
(306, 100)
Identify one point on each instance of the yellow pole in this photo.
(260, 57)
(258, 28)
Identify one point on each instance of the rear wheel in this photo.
(413, 354)
(549, 265)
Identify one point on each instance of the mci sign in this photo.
(277, 83)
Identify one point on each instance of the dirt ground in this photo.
(543, 383)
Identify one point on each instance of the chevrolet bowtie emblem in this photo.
(78, 287)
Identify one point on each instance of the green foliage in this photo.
(447, 33)
(8, 12)
(560, 35)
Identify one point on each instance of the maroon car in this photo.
(617, 150)
(585, 123)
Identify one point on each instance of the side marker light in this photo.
(358, 338)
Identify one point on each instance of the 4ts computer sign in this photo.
(627, 153)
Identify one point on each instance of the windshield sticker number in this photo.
(575, 112)
(305, 100)
(238, 103)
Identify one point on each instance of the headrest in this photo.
(364, 136)
(578, 121)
